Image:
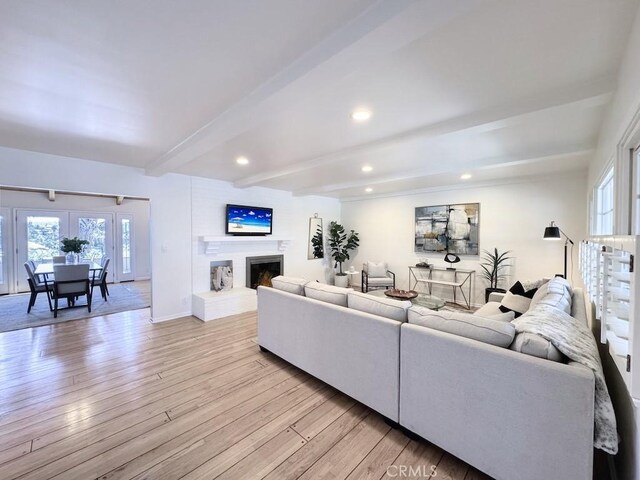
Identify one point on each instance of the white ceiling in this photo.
(499, 89)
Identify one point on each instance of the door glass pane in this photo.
(94, 230)
(43, 238)
(126, 245)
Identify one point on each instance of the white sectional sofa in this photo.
(509, 413)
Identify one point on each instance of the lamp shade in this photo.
(552, 232)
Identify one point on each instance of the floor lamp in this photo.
(552, 232)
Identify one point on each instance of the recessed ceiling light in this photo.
(368, 189)
(367, 168)
(242, 160)
(361, 115)
(465, 176)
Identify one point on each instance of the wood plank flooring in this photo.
(118, 397)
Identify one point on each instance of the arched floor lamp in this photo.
(553, 232)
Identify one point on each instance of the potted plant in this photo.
(340, 243)
(73, 248)
(493, 264)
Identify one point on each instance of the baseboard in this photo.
(166, 318)
(142, 279)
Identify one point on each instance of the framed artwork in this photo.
(448, 228)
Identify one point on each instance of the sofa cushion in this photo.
(487, 330)
(384, 307)
(327, 293)
(377, 269)
(537, 346)
(517, 299)
(289, 284)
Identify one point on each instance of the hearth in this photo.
(260, 270)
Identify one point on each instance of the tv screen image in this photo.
(245, 220)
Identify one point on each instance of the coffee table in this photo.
(423, 300)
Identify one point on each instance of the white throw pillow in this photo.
(503, 317)
(487, 330)
(289, 284)
(384, 307)
(377, 269)
(327, 293)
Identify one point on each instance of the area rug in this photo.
(123, 297)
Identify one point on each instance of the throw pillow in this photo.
(517, 300)
(503, 317)
(377, 269)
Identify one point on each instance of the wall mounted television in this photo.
(243, 220)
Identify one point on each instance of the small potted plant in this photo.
(73, 248)
(493, 264)
(340, 244)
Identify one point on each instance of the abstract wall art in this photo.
(448, 228)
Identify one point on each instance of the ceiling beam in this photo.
(484, 164)
(247, 111)
(585, 95)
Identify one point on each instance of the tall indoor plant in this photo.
(493, 265)
(340, 244)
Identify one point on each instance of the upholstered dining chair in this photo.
(36, 286)
(377, 275)
(101, 281)
(59, 259)
(71, 282)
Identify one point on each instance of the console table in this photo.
(458, 279)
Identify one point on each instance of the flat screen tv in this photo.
(245, 220)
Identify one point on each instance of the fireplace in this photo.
(260, 270)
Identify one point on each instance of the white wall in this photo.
(512, 217)
(621, 126)
(170, 218)
(85, 203)
(290, 220)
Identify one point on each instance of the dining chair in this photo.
(59, 259)
(36, 286)
(101, 281)
(71, 282)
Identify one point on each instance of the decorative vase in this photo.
(71, 257)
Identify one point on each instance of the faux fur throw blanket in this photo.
(575, 340)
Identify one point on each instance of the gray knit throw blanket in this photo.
(576, 341)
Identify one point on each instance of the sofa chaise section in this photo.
(510, 415)
(357, 353)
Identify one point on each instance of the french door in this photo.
(38, 235)
(97, 229)
(124, 267)
(5, 249)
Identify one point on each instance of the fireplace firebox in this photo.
(260, 270)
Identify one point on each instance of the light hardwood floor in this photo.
(118, 397)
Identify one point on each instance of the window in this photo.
(603, 221)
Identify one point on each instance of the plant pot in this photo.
(341, 280)
(489, 291)
(71, 258)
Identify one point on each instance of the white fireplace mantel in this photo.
(213, 244)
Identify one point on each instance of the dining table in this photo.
(47, 268)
